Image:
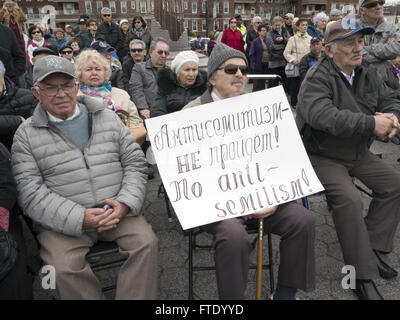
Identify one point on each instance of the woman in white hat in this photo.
(179, 85)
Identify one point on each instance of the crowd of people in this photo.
(79, 173)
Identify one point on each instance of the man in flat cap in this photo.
(227, 70)
(342, 104)
(80, 178)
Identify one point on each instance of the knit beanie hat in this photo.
(219, 55)
(2, 69)
(181, 58)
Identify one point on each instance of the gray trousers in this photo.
(358, 235)
(293, 223)
(138, 276)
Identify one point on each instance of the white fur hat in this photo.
(183, 57)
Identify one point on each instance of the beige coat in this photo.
(122, 99)
(303, 47)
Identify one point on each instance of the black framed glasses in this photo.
(138, 50)
(373, 4)
(233, 69)
(106, 15)
(66, 52)
(34, 32)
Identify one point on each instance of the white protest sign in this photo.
(229, 158)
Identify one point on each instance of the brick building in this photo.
(197, 16)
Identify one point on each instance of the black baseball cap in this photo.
(50, 49)
(101, 47)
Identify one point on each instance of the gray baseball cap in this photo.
(52, 64)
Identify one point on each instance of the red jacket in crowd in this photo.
(233, 38)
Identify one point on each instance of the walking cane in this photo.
(259, 258)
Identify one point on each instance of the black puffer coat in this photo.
(14, 103)
(171, 97)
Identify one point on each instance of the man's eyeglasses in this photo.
(161, 52)
(373, 4)
(52, 91)
(106, 15)
(138, 50)
(137, 22)
(34, 32)
(233, 68)
(66, 52)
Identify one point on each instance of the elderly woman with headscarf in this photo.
(179, 85)
(317, 30)
(93, 71)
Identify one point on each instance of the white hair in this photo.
(320, 16)
(105, 9)
(256, 18)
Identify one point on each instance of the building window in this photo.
(142, 6)
(88, 6)
(276, 12)
(216, 25)
(194, 25)
(204, 7)
(204, 25)
(226, 24)
(281, 12)
(167, 6)
(185, 5)
(185, 24)
(333, 5)
(112, 7)
(123, 7)
(69, 8)
(226, 7)
(194, 7)
(39, 0)
(133, 5)
(28, 0)
(30, 12)
(99, 6)
(261, 1)
(238, 8)
(216, 4)
(152, 6)
(270, 1)
(176, 7)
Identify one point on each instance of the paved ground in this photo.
(173, 261)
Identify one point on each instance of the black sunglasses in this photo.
(106, 15)
(373, 4)
(137, 22)
(66, 52)
(233, 68)
(137, 50)
(34, 32)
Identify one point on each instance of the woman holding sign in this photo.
(179, 85)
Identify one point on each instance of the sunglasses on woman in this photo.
(233, 68)
(34, 32)
(373, 4)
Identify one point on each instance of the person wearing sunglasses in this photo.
(139, 31)
(137, 53)
(90, 35)
(232, 36)
(68, 53)
(36, 34)
(111, 32)
(179, 85)
(227, 76)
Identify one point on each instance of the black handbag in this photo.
(8, 253)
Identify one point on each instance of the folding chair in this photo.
(99, 257)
